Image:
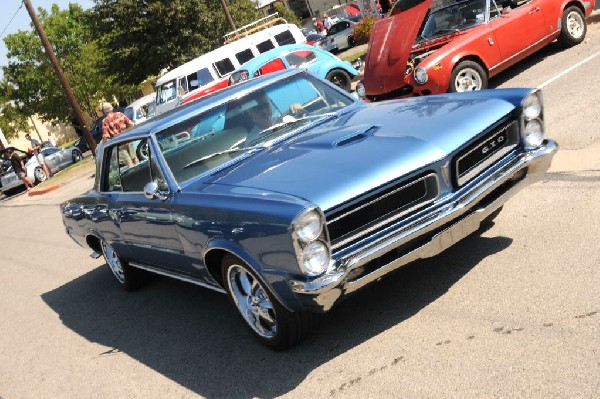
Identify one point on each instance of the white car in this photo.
(137, 111)
(56, 159)
(339, 37)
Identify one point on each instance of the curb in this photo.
(43, 190)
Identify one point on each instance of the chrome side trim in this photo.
(524, 50)
(187, 279)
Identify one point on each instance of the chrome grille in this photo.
(380, 208)
(480, 155)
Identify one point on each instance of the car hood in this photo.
(340, 160)
(390, 45)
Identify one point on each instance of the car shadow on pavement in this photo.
(193, 337)
(527, 63)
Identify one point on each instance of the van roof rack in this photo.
(259, 24)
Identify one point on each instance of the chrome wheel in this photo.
(575, 24)
(468, 79)
(76, 156)
(113, 261)
(252, 300)
(39, 174)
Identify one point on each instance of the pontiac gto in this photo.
(290, 218)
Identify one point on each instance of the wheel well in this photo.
(212, 261)
(476, 59)
(94, 243)
(576, 4)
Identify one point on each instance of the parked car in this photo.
(319, 62)
(460, 46)
(292, 218)
(55, 158)
(339, 37)
(95, 131)
(314, 38)
(137, 111)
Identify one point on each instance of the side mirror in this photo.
(151, 191)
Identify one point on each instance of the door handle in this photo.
(537, 9)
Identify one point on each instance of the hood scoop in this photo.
(334, 137)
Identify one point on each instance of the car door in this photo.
(147, 225)
(52, 158)
(519, 32)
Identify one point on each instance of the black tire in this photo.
(340, 78)
(76, 154)
(468, 76)
(142, 150)
(131, 279)
(573, 28)
(39, 175)
(351, 41)
(267, 319)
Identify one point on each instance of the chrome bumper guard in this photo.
(465, 210)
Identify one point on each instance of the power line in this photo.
(9, 22)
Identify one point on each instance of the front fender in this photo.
(275, 279)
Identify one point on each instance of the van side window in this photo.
(244, 56)
(265, 46)
(204, 77)
(224, 66)
(284, 38)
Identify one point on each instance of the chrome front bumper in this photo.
(462, 214)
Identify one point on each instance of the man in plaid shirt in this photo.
(115, 123)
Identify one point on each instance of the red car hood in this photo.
(389, 47)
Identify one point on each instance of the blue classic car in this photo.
(318, 61)
(288, 194)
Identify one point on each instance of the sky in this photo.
(22, 21)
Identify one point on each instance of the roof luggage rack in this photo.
(259, 24)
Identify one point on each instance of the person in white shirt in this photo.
(51, 139)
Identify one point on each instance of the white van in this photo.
(218, 64)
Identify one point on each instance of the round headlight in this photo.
(532, 106)
(308, 226)
(421, 75)
(534, 134)
(315, 258)
(360, 90)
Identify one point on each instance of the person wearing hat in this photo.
(19, 167)
(36, 149)
(115, 123)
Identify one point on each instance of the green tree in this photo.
(287, 14)
(38, 90)
(12, 120)
(143, 37)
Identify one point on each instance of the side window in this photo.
(203, 76)
(244, 56)
(183, 86)
(269, 67)
(192, 81)
(265, 46)
(124, 171)
(285, 37)
(224, 67)
(300, 57)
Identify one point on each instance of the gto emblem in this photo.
(497, 142)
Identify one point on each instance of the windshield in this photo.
(209, 140)
(454, 18)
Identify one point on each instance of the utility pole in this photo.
(227, 15)
(61, 77)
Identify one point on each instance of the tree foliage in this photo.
(143, 37)
(287, 14)
(29, 71)
(12, 120)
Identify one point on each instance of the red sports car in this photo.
(457, 47)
